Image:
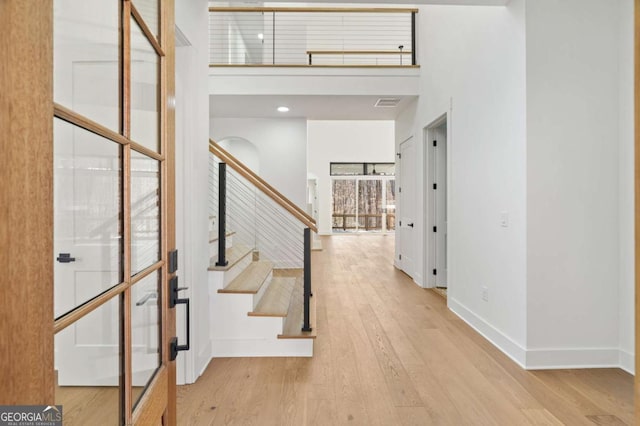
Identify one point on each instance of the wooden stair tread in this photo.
(251, 279)
(275, 301)
(295, 315)
(234, 255)
(213, 235)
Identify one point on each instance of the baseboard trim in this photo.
(545, 359)
(628, 362)
(501, 341)
(557, 359)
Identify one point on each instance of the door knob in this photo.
(411, 225)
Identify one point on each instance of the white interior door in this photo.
(439, 147)
(406, 193)
(87, 243)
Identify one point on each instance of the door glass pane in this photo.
(370, 205)
(87, 364)
(86, 52)
(145, 333)
(391, 205)
(87, 227)
(145, 211)
(145, 117)
(344, 205)
(150, 13)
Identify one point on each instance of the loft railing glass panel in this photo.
(145, 110)
(145, 211)
(87, 226)
(87, 364)
(145, 332)
(86, 50)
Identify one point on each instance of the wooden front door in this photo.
(113, 193)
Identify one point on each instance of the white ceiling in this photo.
(316, 107)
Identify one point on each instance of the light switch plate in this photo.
(504, 219)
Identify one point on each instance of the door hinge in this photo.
(435, 272)
(399, 155)
(399, 189)
(399, 257)
(400, 223)
(435, 186)
(435, 143)
(435, 229)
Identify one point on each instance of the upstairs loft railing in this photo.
(312, 37)
(260, 217)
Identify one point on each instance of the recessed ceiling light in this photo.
(283, 109)
(261, 36)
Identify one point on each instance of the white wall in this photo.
(192, 122)
(344, 141)
(540, 106)
(573, 224)
(626, 188)
(282, 147)
(474, 70)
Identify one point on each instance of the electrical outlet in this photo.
(485, 294)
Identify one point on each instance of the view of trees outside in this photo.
(391, 204)
(344, 204)
(375, 202)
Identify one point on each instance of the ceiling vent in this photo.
(387, 102)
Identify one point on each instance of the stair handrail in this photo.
(262, 185)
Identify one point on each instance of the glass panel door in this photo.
(111, 238)
(344, 205)
(370, 204)
(363, 204)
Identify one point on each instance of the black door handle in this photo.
(65, 258)
(411, 225)
(173, 301)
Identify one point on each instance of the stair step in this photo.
(234, 255)
(275, 301)
(213, 235)
(250, 280)
(295, 316)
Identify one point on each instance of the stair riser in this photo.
(263, 288)
(229, 348)
(229, 319)
(237, 269)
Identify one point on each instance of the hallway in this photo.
(390, 353)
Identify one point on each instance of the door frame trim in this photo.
(636, 115)
(428, 239)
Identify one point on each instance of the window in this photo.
(362, 169)
(363, 196)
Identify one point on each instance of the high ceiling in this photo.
(309, 107)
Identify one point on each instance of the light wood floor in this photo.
(390, 353)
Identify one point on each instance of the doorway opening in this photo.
(436, 204)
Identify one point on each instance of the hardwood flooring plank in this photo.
(390, 353)
(541, 417)
(402, 391)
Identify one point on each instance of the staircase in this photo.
(258, 298)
